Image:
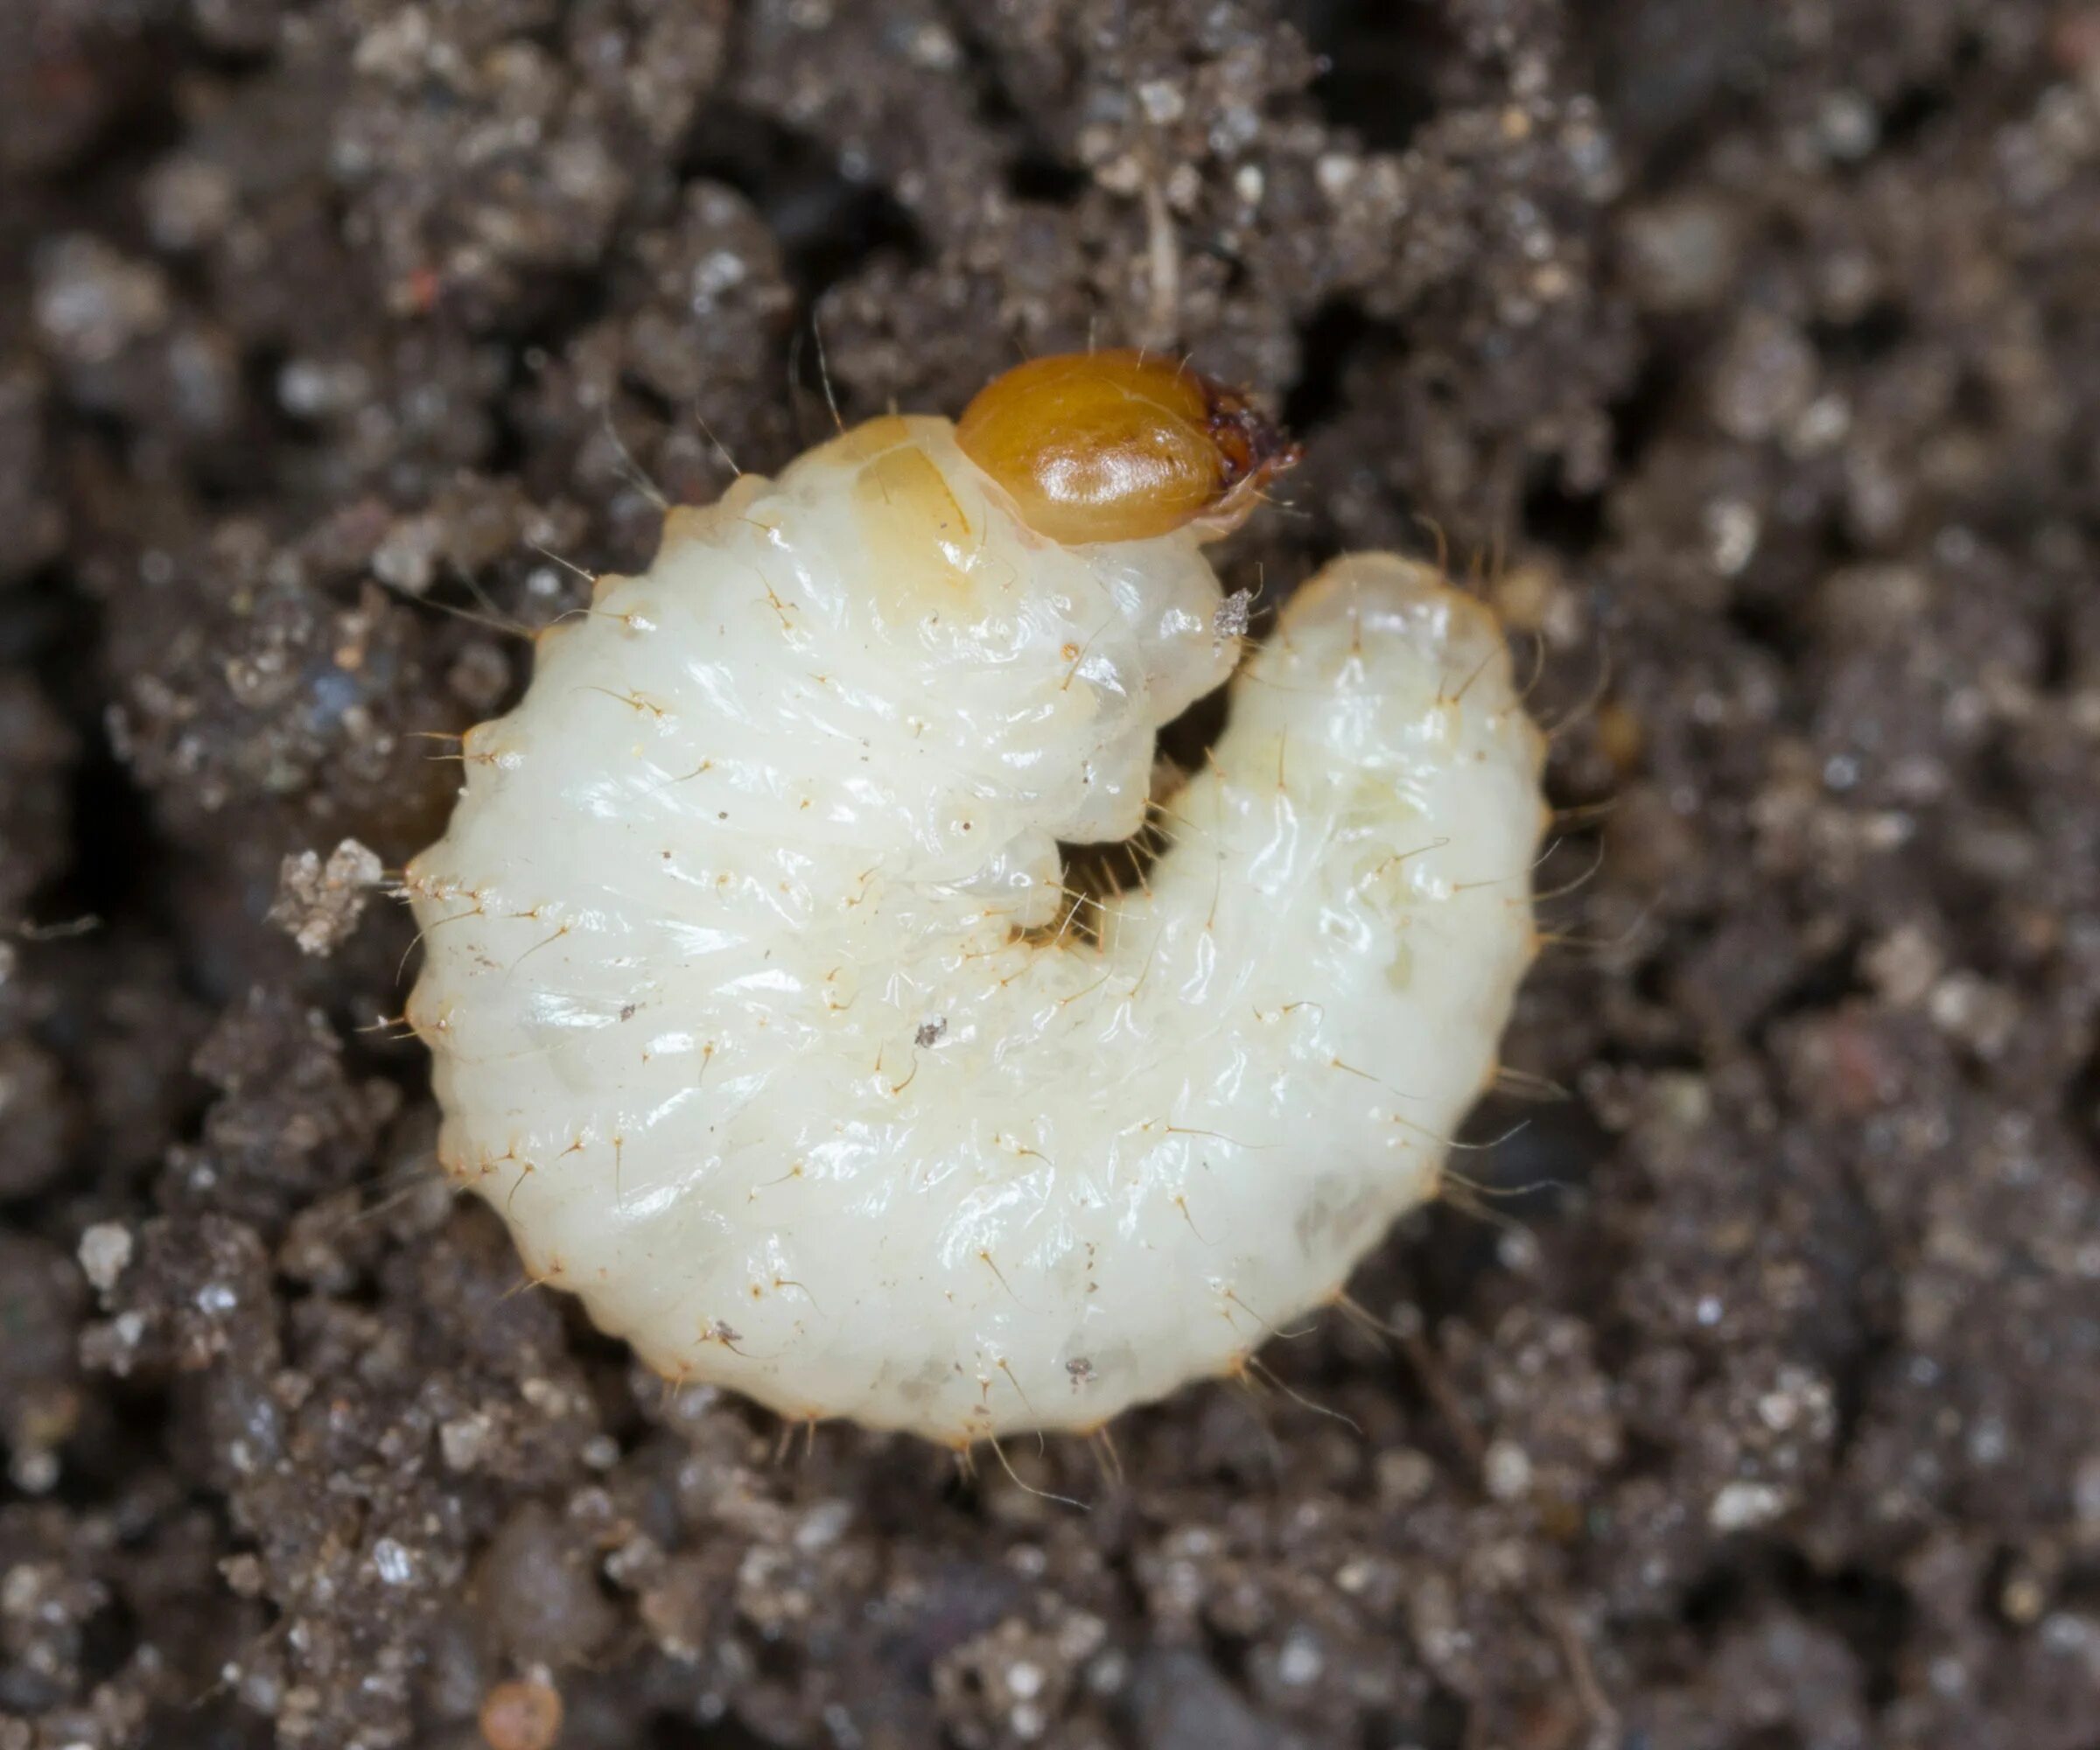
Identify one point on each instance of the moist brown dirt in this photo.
(1747, 1398)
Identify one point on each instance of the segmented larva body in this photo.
(757, 1004)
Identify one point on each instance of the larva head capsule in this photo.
(1118, 445)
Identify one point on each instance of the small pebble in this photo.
(105, 1249)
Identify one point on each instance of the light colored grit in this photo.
(759, 1010)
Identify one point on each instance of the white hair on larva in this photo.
(760, 1012)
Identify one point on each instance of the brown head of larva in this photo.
(1119, 446)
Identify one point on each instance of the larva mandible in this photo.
(755, 997)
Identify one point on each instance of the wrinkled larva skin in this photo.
(750, 1010)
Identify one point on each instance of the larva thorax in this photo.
(756, 1019)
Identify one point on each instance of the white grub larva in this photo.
(759, 1005)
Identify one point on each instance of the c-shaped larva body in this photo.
(756, 1000)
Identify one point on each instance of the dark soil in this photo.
(1750, 1397)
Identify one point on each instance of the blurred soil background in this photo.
(1748, 350)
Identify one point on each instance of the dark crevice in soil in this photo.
(1571, 523)
(1381, 65)
(1038, 176)
(1819, 986)
(1869, 1611)
(1769, 624)
(1446, 1722)
(116, 874)
(825, 223)
(1675, 75)
(666, 1733)
(1865, 339)
(2082, 1109)
(1330, 343)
